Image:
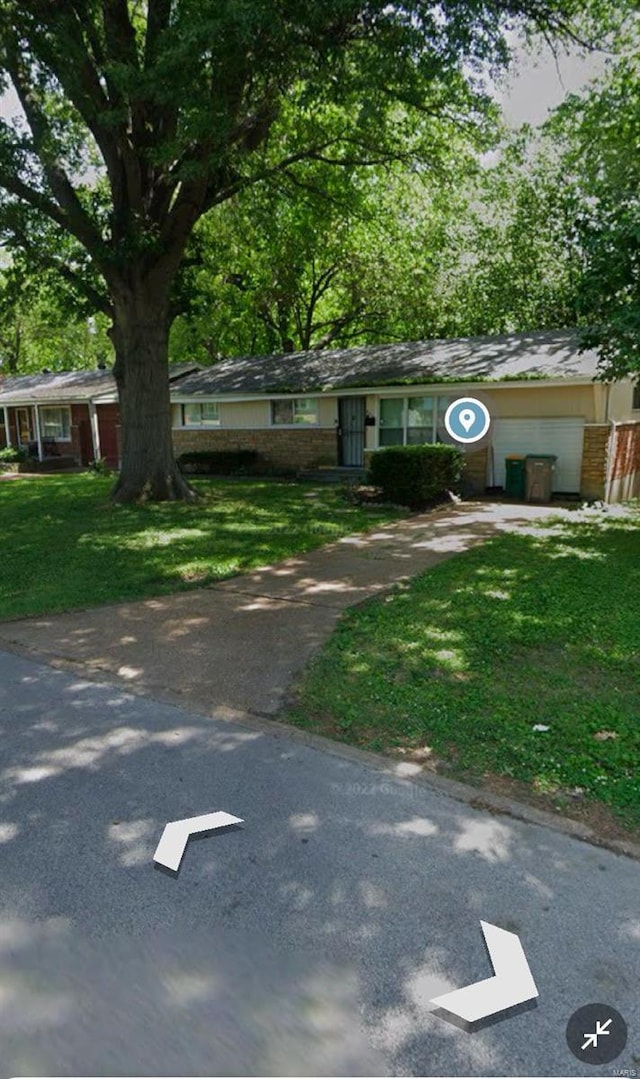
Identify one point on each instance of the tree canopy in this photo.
(600, 135)
(137, 119)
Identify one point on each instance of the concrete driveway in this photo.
(308, 941)
(237, 646)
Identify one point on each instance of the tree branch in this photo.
(99, 301)
(158, 15)
(36, 199)
(75, 219)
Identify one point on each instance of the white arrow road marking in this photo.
(176, 835)
(511, 984)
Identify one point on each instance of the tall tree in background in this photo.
(513, 260)
(390, 254)
(599, 133)
(43, 327)
(139, 118)
(330, 259)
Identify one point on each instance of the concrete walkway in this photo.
(236, 647)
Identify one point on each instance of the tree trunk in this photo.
(140, 335)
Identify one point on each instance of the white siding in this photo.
(563, 437)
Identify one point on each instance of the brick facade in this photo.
(13, 427)
(108, 417)
(625, 457)
(624, 461)
(81, 444)
(289, 448)
(595, 456)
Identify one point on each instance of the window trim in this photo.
(41, 421)
(436, 398)
(203, 423)
(293, 426)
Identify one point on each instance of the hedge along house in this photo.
(66, 418)
(333, 408)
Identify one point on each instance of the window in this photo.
(201, 414)
(419, 420)
(412, 421)
(442, 404)
(392, 421)
(295, 411)
(636, 397)
(56, 423)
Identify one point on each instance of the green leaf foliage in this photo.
(416, 475)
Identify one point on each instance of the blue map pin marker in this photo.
(467, 420)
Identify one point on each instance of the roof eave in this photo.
(181, 397)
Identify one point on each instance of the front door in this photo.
(23, 424)
(351, 428)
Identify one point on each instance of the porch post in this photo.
(38, 435)
(7, 429)
(95, 431)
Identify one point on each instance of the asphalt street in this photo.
(310, 940)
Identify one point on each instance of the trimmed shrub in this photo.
(416, 475)
(12, 453)
(220, 462)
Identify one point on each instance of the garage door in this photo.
(560, 436)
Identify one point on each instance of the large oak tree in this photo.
(137, 118)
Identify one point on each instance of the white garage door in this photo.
(560, 436)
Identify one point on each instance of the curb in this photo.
(475, 797)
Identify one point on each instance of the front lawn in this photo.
(65, 546)
(515, 665)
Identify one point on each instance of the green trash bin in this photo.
(515, 475)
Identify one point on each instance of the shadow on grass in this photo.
(66, 546)
(520, 658)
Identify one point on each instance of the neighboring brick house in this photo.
(66, 417)
(334, 408)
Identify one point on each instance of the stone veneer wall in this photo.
(595, 456)
(288, 448)
(474, 477)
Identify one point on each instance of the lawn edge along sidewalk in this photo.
(172, 634)
(465, 793)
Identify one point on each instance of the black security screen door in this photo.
(351, 426)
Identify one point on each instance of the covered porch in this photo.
(51, 436)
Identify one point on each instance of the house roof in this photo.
(535, 355)
(544, 355)
(65, 386)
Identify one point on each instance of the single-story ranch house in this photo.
(333, 408)
(66, 416)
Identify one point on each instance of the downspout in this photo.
(38, 435)
(7, 429)
(95, 431)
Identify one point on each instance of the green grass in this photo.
(65, 546)
(461, 665)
